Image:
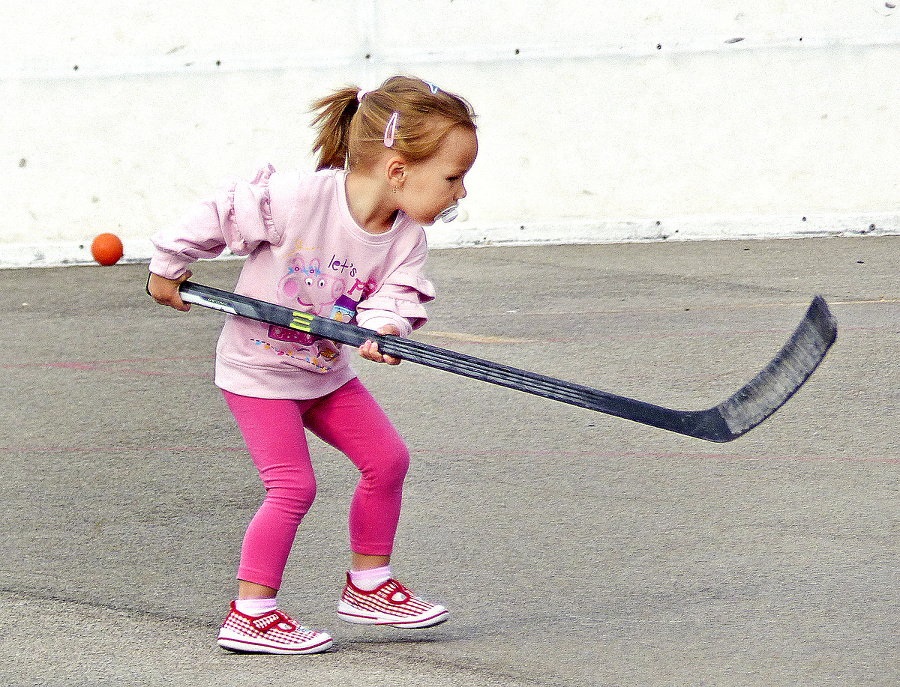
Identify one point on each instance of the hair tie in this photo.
(390, 131)
(360, 96)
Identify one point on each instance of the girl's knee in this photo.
(292, 496)
(387, 463)
(401, 460)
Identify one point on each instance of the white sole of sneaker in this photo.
(244, 646)
(351, 614)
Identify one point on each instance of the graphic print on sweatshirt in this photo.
(308, 288)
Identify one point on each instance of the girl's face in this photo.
(434, 184)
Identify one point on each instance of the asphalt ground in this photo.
(572, 548)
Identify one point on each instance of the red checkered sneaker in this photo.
(269, 633)
(389, 604)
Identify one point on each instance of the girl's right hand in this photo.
(165, 291)
(369, 350)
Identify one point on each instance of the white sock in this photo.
(367, 580)
(255, 607)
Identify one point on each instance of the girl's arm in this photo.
(401, 298)
(239, 217)
(398, 307)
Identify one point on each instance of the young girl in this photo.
(346, 242)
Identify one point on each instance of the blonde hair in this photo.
(352, 124)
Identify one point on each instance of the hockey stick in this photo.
(745, 409)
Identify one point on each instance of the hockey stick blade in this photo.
(738, 414)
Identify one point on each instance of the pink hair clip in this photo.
(390, 131)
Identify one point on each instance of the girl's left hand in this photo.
(369, 350)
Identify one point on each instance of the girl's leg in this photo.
(274, 433)
(352, 421)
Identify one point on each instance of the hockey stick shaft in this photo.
(771, 388)
(421, 353)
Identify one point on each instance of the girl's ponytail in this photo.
(335, 115)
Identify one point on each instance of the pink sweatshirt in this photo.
(306, 252)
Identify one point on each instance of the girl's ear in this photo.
(396, 168)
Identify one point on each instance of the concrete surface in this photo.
(572, 548)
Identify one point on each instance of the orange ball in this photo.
(107, 249)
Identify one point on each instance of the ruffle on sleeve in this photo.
(403, 296)
(245, 212)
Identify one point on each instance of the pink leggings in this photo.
(350, 420)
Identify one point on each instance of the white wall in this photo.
(599, 120)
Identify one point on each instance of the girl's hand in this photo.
(165, 291)
(369, 350)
